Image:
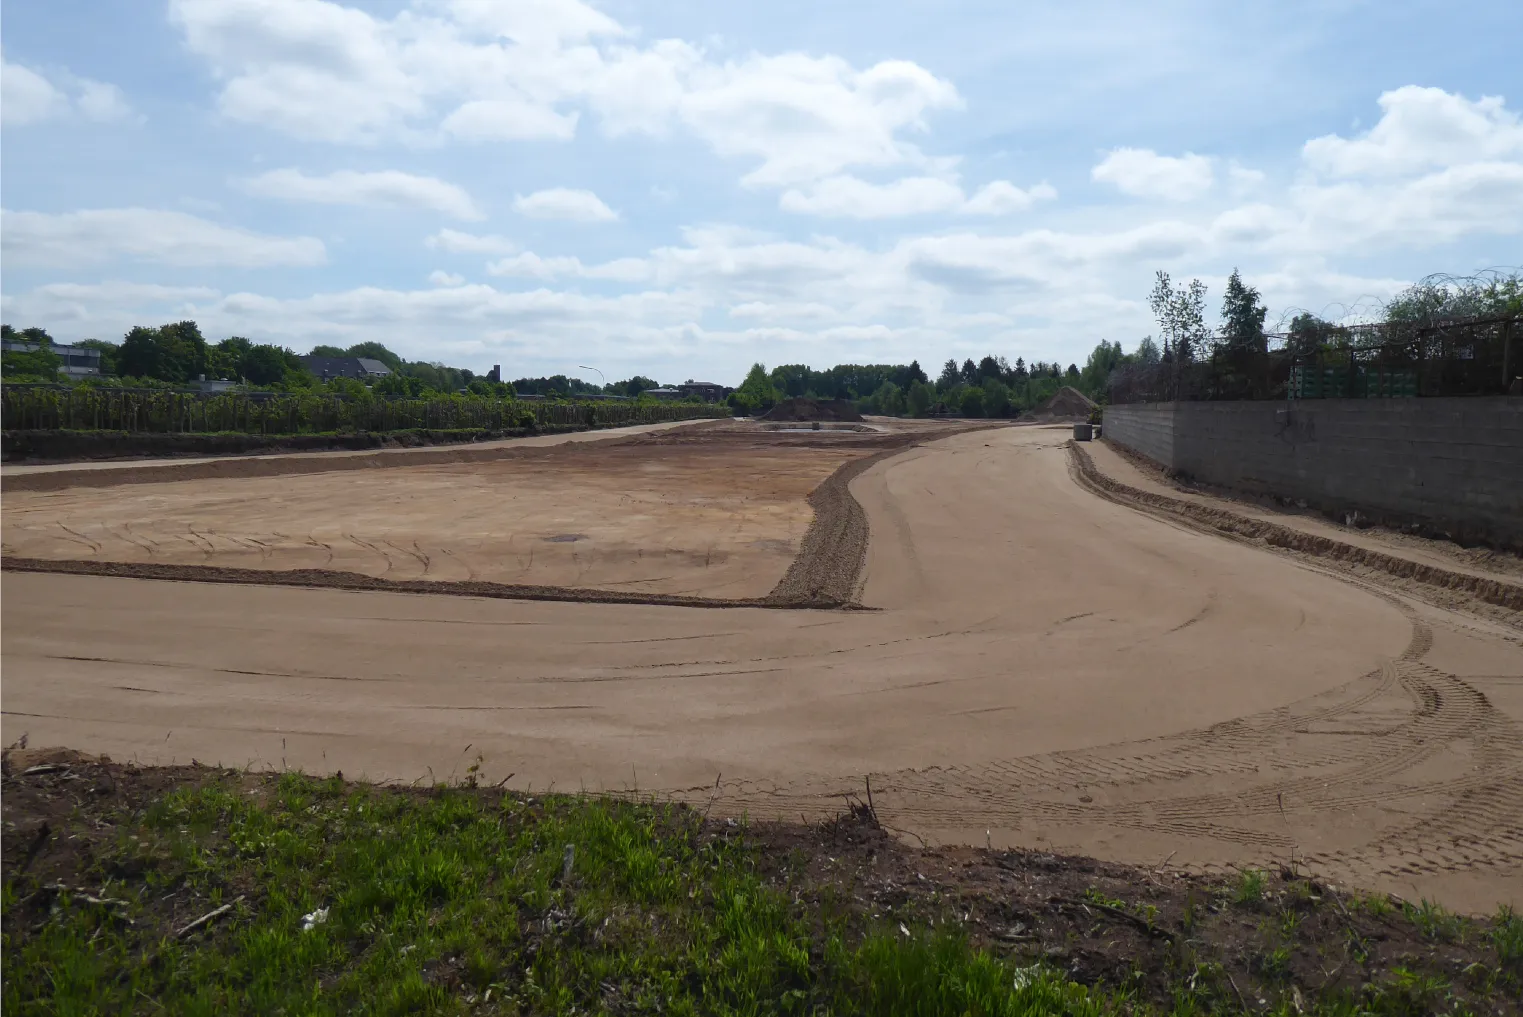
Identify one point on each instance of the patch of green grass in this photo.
(1250, 887)
(1433, 921)
(350, 899)
(1376, 905)
(1506, 937)
(447, 903)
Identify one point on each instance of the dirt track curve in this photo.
(1045, 667)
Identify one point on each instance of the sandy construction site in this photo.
(1018, 642)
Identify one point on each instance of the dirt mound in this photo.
(813, 409)
(1066, 404)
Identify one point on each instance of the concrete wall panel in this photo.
(1452, 466)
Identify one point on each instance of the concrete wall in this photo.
(1451, 466)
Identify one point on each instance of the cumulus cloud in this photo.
(29, 97)
(386, 188)
(854, 198)
(493, 71)
(1420, 129)
(456, 242)
(1143, 173)
(439, 277)
(530, 265)
(511, 118)
(73, 239)
(1000, 197)
(564, 203)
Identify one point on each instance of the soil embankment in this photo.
(807, 410)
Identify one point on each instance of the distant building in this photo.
(361, 368)
(663, 393)
(77, 361)
(708, 391)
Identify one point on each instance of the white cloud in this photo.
(1001, 197)
(1144, 173)
(854, 198)
(531, 265)
(564, 203)
(456, 242)
(487, 70)
(439, 277)
(508, 119)
(808, 117)
(389, 188)
(1419, 129)
(102, 102)
(27, 97)
(86, 237)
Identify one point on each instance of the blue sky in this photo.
(683, 188)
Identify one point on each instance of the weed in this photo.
(1506, 937)
(1274, 965)
(1376, 905)
(1433, 921)
(1250, 887)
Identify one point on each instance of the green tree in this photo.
(887, 400)
(996, 398)
(263, 365)
(756, 394)
(1242, 319)
(398, 385)
(632, 387)
(1103, 360)
(1181, 314)
(371, 351)
(175, 352)
(107, 353)
(920, 398)
(972, 402)
(950, 378)
(1308, 333)
(40, 364)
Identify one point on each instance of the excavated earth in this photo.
(1035, 655)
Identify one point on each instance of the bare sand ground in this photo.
(673, 518)
(1045, 668)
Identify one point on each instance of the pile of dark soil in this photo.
(813, 409)
(1066, 405)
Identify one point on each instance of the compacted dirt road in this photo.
(1037, 666)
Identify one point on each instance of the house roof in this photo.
(344, 367)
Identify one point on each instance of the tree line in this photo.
(176, 354)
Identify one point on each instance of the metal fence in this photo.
(49, 407)
(1478, 356)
